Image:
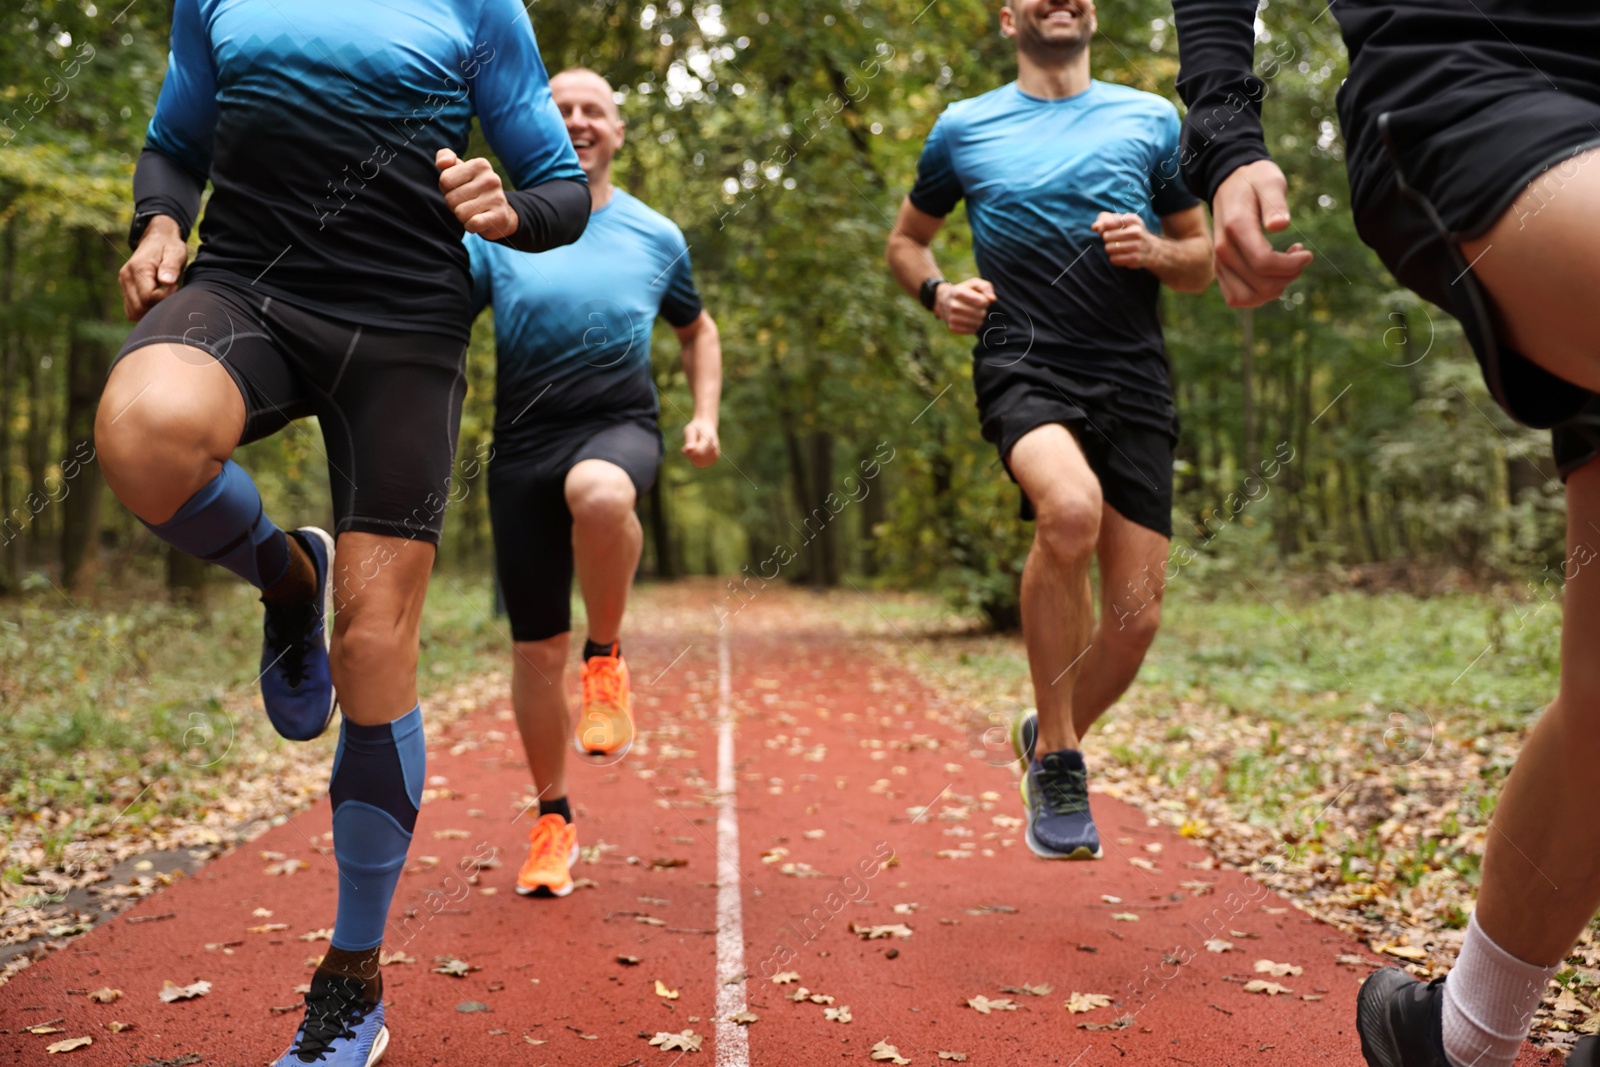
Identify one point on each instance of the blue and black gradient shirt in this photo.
(317, 123)
(572, 325)
(1035, 174)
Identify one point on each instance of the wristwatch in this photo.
(930, 291)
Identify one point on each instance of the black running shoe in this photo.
(1055, 787)
(341, 1028)
(1401, 1020)
(1586, 1053)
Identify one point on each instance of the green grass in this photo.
(101, 696)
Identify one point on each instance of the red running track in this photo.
(835, 761)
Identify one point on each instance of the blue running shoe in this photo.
(340, 1028)
(1024, 735)
(296, 685)
(1055, 789)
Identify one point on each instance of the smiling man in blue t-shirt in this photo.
(576, 443)
(1078, 216)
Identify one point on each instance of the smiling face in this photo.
(590, 112)
(1049, 30)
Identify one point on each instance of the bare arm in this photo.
(702, 366)
(961, 305)
(1180, 255)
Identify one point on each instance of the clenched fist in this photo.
(473, 191)
(1127, 242)
(151, 273)
(962, 305)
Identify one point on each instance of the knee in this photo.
(1067, 524)
(142, 431)
(370, 642)
(546, 659)
(601, 503)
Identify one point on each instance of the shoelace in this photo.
(602, 682)
(1063, 791)
(331, 1015)
(298, 623)
(544, 843)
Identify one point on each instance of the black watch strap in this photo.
(930, 291)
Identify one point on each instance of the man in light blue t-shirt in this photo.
(576, 443)
(1078, 216)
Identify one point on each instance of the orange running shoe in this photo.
(605, 724)
(552, 850)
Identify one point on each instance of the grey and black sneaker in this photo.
(1024, 735)
(1400, 1020)
(1586, 1053)
(1055, 788)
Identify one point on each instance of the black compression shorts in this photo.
(388, 402)
(532, 526)
(1127, 436)
(1450, 113)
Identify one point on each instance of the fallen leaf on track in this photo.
(171, 991)
(1043, 989)
(663, 991)
(687, 1041)
(872, 933)
(453, 967)
(959, 1057)
(744, 1018)
(470, 1007)
(1278, 970)
(105, 996)
(1271, 989)
(69, 1044)
(628, 961)
(785, 977)
(1115, 1024)
(1125, 916)
(887, 1053)
(267, 928)
(1216, 944)
(837, 1015)
(983, 1005)
(1082, 1002)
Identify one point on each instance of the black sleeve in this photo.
(550, 215)
(1216, 51)
(162, 186)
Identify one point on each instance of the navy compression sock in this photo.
(224, 524)
(376, 789)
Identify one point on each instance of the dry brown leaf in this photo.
(1278, 970)
(454, 968)
(1125, 916)
(663, 991)
(171, 991)
(1405, 952)
(744, 1018)
(117, 1028)
(837, 1015)
(872, 933)
(983, 1005)
(884, 1052)
(69, 1044)
(959, 1057)
(267, 928)
(1081, 1002)
(1216, 944)
(105, 995)
(687, 1041)
(785, 977)
(1271, 989)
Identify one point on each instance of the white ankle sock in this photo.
(1489, 1002)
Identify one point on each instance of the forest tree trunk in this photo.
(825, 573)
(88, 358)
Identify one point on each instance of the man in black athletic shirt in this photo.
(1470, 135)
(331, 281)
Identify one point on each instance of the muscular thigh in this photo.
(1540, 263)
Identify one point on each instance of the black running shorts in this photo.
(388, 402)
(1449, 113)
(1127, 436)
(532, 526)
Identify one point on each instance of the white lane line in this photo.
(733, 1040)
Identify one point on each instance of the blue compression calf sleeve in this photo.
(224, 523)
(376, 789)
